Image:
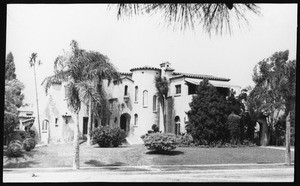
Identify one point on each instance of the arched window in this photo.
(136, 93)
(135, 119)
(126, 90)
(154, 103)
(45, 125)
(145, 98)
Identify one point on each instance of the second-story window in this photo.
(126, 90)
(145, 98)
(178, 89)
(136, 93)
(154, 103)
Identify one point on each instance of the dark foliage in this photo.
(208, 115)
(106, 136)
(160, 142)
(14, 148)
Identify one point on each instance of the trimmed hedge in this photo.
(160, 142)
(106, 136)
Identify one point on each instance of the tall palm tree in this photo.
(32, 63)
(98, 69)
(162, 86)
(69, 69)
(214, 17)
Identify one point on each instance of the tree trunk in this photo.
(37, 106)
(288, 140)
(263, 133)
(76, 145)
(89, 123)
(164, 116)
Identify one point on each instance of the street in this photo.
(256, 173)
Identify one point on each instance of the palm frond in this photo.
(214, 17)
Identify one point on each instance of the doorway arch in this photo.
(125, 121)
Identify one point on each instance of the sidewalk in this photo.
(167, 173)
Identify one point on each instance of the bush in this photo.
(118, 136)
(106, 136)
(186, 140)
(160, 142)
(14, 148)
(234, 128)
(28, 144)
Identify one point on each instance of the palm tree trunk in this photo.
(89, 123)
(288, 141)
(76, 145)
(37, 106)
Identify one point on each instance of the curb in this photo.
(147, 166)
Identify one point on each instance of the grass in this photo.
(94, 156)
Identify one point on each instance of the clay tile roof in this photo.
(144, 68)
(201, 76)
(126, 73)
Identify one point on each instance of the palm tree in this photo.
(162, 86)
(99, 68)
(214, 17)
(69, 68)
(32, 63)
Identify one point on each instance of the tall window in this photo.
(45, 125)
(126, 90)
(135, 119)
(136, 93)
(145, 98)
(154, 103)
(178, 89)
(56, 122)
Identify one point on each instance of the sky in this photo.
(48, 29)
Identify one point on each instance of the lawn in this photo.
(94, 156)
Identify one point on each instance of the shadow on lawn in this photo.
(171, 153)
(100, 164)
(26, 164)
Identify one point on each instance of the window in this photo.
(178, 89)
(56, 122)
(135, 119)
(145, 98)
(136, 93)
(126, 90)
(45, 125)
(154, 103)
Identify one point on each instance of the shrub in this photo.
(106, 136)
(186, 140)
(234, 128)
(118, 136)
(160, 142)
(29, 144)
(14, 148)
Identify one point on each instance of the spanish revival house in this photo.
(133, 104)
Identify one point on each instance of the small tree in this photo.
(13, 98)
(208, 115)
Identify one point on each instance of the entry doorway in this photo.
(125, 121)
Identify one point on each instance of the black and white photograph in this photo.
(162, 92)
